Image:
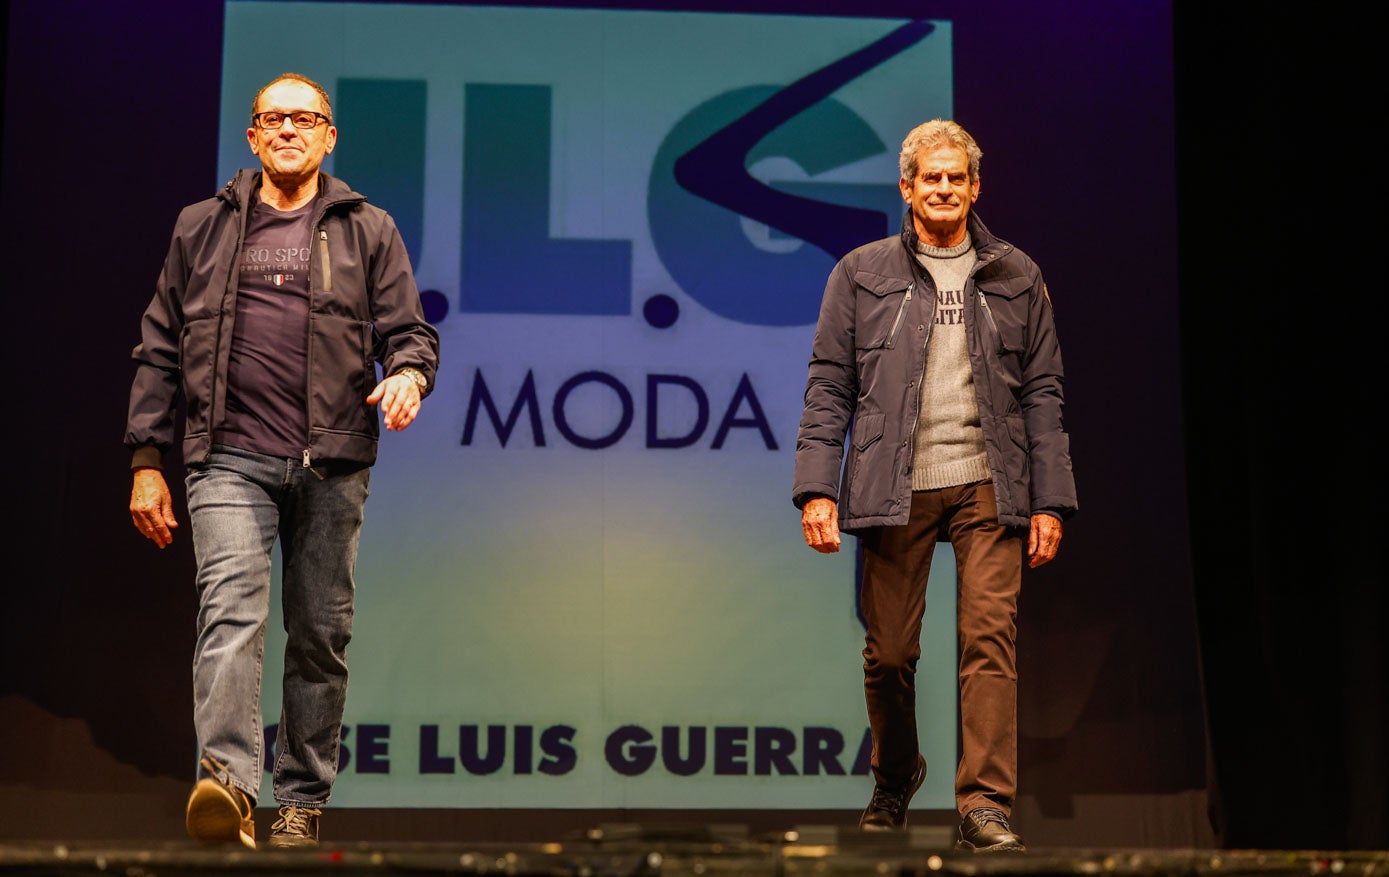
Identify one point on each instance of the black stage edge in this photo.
(620, 850)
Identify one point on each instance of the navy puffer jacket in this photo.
(866, 367)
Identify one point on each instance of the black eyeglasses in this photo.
(298, 118)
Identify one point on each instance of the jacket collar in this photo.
(241, 188)
(984, 241)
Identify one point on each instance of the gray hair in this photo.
(938, 132)
(296, 77)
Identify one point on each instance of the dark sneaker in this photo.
(887, 811)
(986, 830)
(219, 812)
(296, 827)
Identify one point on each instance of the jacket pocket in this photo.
(869, 475)
(1003, 304)
(880, 309)
(1017, 463)
(342, 374)
(197, 365)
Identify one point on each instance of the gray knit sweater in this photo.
(949, 448)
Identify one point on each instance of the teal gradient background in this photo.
(594, 588)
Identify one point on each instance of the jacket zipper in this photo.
(327, 286)
(901, 311)
(327, 270)
(989, 317)
(233, 282)
(916, 397)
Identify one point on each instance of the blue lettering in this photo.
(557, 743)
(373, 749)
(521, 758)
(772, 748)
(527, 402)
(653, 385)
(478, 764)
(387, 121)
(822, 748)
(511, 265)
(706, 246)
(629, 750)
(430, 759)
(730, 751)
(758, 419)
(632, 750)
(525, 399)
(670, 751)
(562, 421)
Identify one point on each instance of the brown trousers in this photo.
(988, 561)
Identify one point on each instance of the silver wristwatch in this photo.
(417, 376)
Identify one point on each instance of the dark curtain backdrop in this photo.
(1283, 333)
(1216, 626)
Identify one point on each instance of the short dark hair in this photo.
(296, 77)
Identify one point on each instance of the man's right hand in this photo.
(820, 521)
(152, 507)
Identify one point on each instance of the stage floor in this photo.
(646, 851)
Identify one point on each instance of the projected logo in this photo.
(732, 239)
(741, 209)
(621, 223)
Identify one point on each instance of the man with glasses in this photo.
(279, 299)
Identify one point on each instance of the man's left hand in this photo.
(1043, 539)
(400, 401)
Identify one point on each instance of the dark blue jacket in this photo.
(866, 367)
(364, 309)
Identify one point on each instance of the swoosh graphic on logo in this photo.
(716, 171)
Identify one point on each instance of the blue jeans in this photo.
(239, 502)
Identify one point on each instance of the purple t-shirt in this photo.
(268, 374)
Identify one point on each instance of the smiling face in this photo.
(289, 154)
(941, 194)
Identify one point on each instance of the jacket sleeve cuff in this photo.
(801, 497)
(146, 456)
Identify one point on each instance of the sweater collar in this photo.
(978, 233)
